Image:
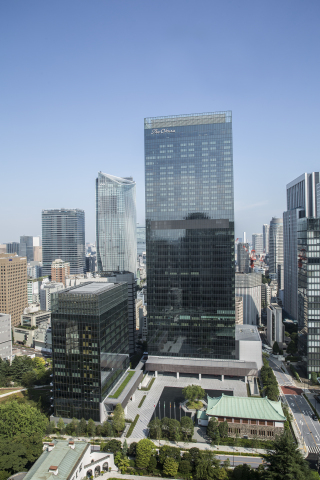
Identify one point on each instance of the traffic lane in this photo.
(280, 375)
(254, 462)
(310, 429)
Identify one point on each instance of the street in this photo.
(254, 462)
(301, 410)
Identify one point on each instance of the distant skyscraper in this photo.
(301, 202)
(59, 271)
(244, 237)
(190, 235)
(243, 257)
(266, 229)
(63, 237)
(275, 245)
(116, 224)
(141, 240)
(27, 246)
(13, 286)
(257, 243)
(13, 247)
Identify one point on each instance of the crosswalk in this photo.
(314, 449)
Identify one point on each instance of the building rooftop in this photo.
(247, 333)
(61, 456)
(91, 288)
(244, 407)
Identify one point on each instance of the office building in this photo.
(239, 310)
(257, 243)
(28, 247)
(266, 229)
(244, 237)
(248, 286)
(275, 245)
(59, 271)
(141, 240)
(13, 286)
(33, 290)
(116, 224)
(46, 290)
(308, 241)
(91, 261)
(63, 236)
(90, 347)
(3, 248)
(275, 327)
(34, 269)
(13, 247)
(243, 257)
(190, 236)
(301, 202)
(265, 295)
(5, 336)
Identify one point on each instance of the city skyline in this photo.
(60, 129)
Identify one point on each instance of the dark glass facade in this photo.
(90, 346)
(308, 239)
(190, 235)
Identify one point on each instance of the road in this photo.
(254, 462)
(301, 410)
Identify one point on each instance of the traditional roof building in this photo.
(246, 416)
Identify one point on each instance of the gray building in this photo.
(243, 257)
(91, 261)
(301, 202)
(5, 336)
(63, 236)
(90, 345)
(275, 327)
(46, 290)
(265, 232)
(257, 243)
(116, 224)
(13, 247)
(27, 244)
(275, 245)
(190, 235)
(248, 286)
(141, 240)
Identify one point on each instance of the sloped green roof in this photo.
(62, 456)
(245, 407)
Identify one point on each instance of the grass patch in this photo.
(10, 398)
(123, 385)
(145, 389)
(194, 405)
(133, 424)
(230, 454)
(142, 400)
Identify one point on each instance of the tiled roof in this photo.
(245, 407)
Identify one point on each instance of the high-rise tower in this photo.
(63, 236)
(116, 224)
(190, 235)
(266, 229)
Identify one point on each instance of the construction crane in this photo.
(252, 258)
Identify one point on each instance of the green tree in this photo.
(275, 348)
(107, 429)
(50, 428)
(155, 429)
(174, 429)
(193, 393)
(19, 453)
(60, 425)
(118, 421)
(223, 429)
(185, 467)
(292, 348)
(170, 467)
(125, 447)
(144, 450)
(314, 378)
(91, 428)
(122, 462)
(167, 451)
(29, 378)
(82, 427)
(71, 428)
(187, 427)
(245, 472)
(213, 428)
(4, 474)
(132, 449)
(152, 464)
(113, 446)
(208, 467)
(285, 461)
(195, 455)
(21, 418)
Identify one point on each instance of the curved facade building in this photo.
(116, 223)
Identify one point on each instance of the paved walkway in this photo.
(152, 397)
(11, 393)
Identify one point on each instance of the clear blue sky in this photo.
(78, 77)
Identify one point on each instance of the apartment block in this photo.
(13, 286)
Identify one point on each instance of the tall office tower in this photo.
(308, 241)
(257, 243)
(141, 240)
(90, 347)
(13, 247)
(27, 246)
(190, 236)
(116, 224)
(248, 286)
(244, 237)
(59, 271)
(63, 236)
(266, 229)
(91, 263)
(275, 244)
(301, 202)
(243, 257)
(13, 286)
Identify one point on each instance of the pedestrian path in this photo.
(314, 449)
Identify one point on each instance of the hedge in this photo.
(123, 385)
(142, 400)
(133, 424)
(145, 389)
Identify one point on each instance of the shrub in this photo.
(123, 385)
(141, 401)
(133, 424)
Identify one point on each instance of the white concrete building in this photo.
(239, 310)
(5, 336)
(46, 289)
(275, 327)
(257, 243)
(248, 286)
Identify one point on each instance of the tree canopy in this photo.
(21, 418)
(193, 393)
(144, 450)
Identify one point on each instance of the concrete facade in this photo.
(248, 286)
(239, 310)
(13, 286)
(5, 336)
(275, 327)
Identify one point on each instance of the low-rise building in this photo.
(46, 290)
(33, 316)
(35, 329)
(69, 460)
(5, 336)
(246, 416)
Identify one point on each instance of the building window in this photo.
(253, 432)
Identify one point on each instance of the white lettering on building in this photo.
(163, 130)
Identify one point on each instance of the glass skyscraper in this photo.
(63, 236)
(116, 224)
(190, 235)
